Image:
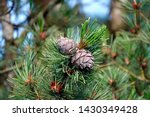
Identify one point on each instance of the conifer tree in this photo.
(87, 61)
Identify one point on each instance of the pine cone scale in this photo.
(83, 59)
(67, 46)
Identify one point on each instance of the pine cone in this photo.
(67, 46)
(83, 59)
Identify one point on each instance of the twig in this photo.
(11, 8)
(132, 83)
(143, 74)
(10, 69)
(106, 65)
(144, 17)
(14, 25)
(131, 73)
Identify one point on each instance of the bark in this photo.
(7, 31)
(7, 27)
(117, 22)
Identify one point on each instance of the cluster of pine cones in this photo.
(81, 58)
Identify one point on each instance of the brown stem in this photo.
(106, 65)
(9, 69)
(142, 15)
(131, 73)
(120, 89)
